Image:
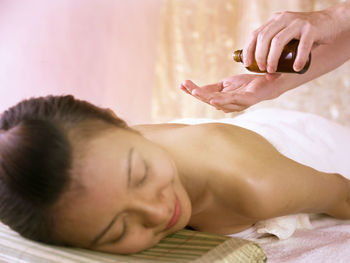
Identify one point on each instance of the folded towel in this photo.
(284, 226)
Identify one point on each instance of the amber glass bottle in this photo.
(285, 63)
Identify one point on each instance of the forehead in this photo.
(101, 152)
(104, 158)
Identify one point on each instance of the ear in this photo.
(110, 111)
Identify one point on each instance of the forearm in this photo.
(325, 58)
(340, 13)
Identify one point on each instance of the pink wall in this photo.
(99, 50)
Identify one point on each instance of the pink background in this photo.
(102, 51)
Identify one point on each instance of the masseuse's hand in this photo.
(311, 28)
(235, 93)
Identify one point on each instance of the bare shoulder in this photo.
(158, 127)
(230, 138)
(239, 158)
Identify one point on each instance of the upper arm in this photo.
(280, 186)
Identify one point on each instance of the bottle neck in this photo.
(238, 56)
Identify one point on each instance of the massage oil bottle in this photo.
(285, 63)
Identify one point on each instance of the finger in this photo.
(221, 99)
(205, 93)
(235, 82)
(202, 94)
(250, 48)
(279, 41)
(304, 49)
(189, 85)
(231, 86)
(184, 89)
(232, 108)
(263, 43)
(212, 87)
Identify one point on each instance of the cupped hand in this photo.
(268, 41)
(235, 93)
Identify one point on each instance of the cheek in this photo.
(165, 167)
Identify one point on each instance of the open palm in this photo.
(235, 93)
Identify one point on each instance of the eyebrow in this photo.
(105, 230)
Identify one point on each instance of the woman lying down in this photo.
(75, 174)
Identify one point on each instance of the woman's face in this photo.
(131, 195)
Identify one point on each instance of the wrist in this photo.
(284, 83)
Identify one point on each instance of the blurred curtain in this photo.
(196, 42)
(102, 51)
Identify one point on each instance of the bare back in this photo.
(236, 177)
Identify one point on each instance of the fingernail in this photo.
(270, 69)
(194, 92)
(297, 68)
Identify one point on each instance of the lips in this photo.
(176, 215)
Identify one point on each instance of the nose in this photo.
(155, 214)
(153, 211)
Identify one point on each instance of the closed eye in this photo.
(143, 179)
(122, 235)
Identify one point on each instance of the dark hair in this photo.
(36, 158)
